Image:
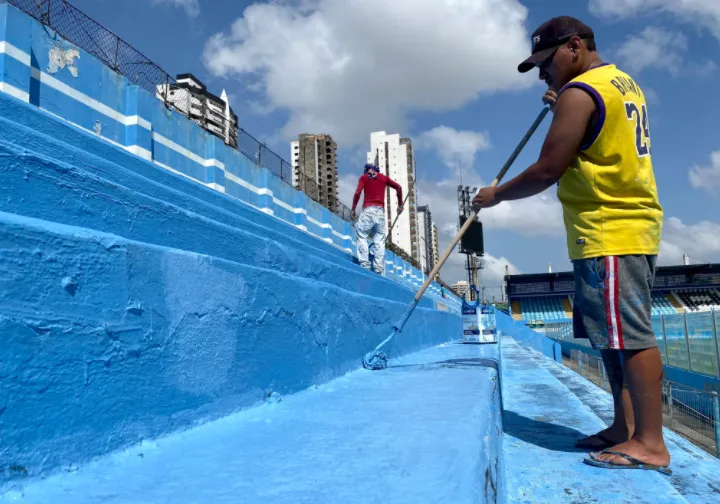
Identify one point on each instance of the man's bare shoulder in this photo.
(575, 101)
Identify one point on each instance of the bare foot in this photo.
(655, 454)
(603, 439)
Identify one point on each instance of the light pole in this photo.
(464, 196)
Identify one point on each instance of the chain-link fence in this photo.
(83, 31)
(694, 414)
(75, 26)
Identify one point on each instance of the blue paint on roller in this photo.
(376, 359)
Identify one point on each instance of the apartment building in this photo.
(314, 163)
(212, 113)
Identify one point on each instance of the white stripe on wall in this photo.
(139, 151)
(76, 95)
(133, 120)
(211, 185)
(15, 92)
(185, 152)
(14, 52)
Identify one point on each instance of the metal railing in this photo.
(77, 27)
(686, 340)
(694, 414)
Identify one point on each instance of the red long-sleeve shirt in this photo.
(375, 190)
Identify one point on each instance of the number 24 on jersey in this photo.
(642, 129)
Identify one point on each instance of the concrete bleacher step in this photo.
(424, 430)
(40, 132)
(107, 341)
(548, 406)
(82, 198)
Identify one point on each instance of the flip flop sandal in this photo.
(634, 463)
(606, 443)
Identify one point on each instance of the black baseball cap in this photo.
(551, 35)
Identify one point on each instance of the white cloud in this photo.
(700, 241)
(653, 48)
(661, 49)
(703, 13)
(707, 177)
(192, 7)
(349, 67)
(457, 149)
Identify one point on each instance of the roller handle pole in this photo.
(397, 217)
(473, 215)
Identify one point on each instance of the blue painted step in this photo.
(52, 190)
(107, 341)
(543, 417)
(38, 131)
(425, 431)
(43, 133)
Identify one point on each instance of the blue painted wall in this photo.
(40, 68)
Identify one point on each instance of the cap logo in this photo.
(536, 40)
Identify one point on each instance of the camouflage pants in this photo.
(371, 224)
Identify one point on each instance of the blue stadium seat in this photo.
(661, 305)
(545, 308)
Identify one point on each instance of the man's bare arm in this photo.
(573, 112)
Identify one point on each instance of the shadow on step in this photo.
(540, 433)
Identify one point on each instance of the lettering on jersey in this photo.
(626, 85)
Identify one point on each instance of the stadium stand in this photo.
(546, 308)
(548, 297)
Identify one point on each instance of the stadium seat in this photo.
(661, 305)
(545, 308)
(699, 300)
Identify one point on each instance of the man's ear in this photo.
(575, 44)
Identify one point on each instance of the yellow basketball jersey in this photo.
(609, 198)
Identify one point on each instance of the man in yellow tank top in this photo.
(598, 152)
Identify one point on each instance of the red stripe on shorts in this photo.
(612, 306)
(618, 322)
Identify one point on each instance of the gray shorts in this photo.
(613, 301)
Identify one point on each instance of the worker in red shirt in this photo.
(372, 218)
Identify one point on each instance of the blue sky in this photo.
(445, 76)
